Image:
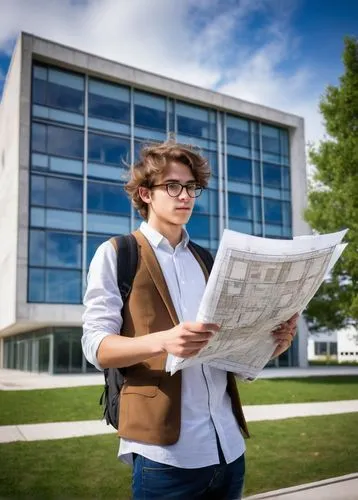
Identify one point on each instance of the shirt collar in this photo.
(155, 238)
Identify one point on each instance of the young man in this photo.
(182, 432)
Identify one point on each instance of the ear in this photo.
(145, 194)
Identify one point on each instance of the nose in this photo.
(184, 195)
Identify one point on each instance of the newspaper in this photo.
(254, 286)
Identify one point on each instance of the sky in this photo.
(279, 53)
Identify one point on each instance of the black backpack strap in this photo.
(204, 254)
(127, 261)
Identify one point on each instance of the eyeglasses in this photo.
(175, 189)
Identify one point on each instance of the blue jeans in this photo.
(156, 481)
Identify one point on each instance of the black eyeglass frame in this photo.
(186, 186)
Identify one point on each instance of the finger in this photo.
(280, 327)
(191, 350)
(189, 354)
(201, 327)
(282, 337)
(200, 337)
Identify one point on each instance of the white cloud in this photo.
(211, 44)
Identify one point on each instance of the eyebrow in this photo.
(177, 180)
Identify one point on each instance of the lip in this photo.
(183, 208)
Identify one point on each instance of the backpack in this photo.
(127, 260)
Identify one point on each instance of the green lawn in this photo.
(280, 454)
(299, 390)
(50, 405)
(81, 403)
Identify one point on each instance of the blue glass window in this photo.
(238, 131)
(106, 149)
(39, 137)
(108, 101)
(240, 206)
(37, 248)
(171, 115)
(63, 286)
(242, 226)
(270, 139)
(239, 169)
(285, 147)
(39, 88)
(149, 111)
(93, 242)
(58, 141)
(286, 178)
(38, 190)
(56, 219)
(195, 121)
(207, 202)
(212, 158)
(108, 224)
(63, 250)
(56, 192)
(58, 89)
(36, 285)
(199, 226)
(273, 211)
(107, 198)
(286, 214)
(256, 135)
(52, 249)
(65, 142)
(257, 173)
(137, 148)
(258, 209)
(272, 175)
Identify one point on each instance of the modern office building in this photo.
(339, 346)
(68, 122)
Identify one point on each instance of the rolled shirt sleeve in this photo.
(103, 302)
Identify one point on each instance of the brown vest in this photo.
(150, 405)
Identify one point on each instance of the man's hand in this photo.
(186, 339)
(284, 334)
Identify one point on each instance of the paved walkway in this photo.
(16, 380)
(336, 488)
(254, 413)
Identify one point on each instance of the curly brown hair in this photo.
(152, 162)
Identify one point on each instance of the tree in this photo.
(333, 196)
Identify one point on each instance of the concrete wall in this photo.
(303, 334)
(31, 316)
(9, 192)
(319, 337)
(298, 179)
(347, 347)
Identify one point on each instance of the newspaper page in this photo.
(255, 285)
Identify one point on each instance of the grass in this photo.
(280, 454)
(81, 403)
(299, 390)
(50, 405)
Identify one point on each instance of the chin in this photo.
(181, 218)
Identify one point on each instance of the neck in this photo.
(172, 232)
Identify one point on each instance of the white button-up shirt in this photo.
(205, 403)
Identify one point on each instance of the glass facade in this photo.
(84, 133)
(51, 350)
